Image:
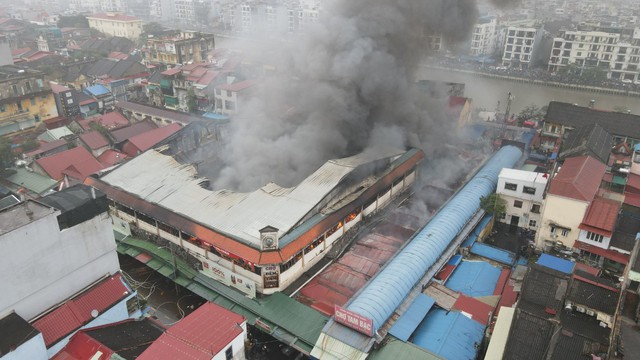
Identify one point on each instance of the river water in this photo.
(486, 92)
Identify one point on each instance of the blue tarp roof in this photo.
(385, 292)
(636, 147)
(474, 278)
(96, 90)
(494, 253)
(471, 239)
(553, 156)
(215, 116)
(409, 321)
(556, 263)
(449, 335)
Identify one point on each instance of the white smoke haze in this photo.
(343, 85)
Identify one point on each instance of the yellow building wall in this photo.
(565, 212)
(44, 106)
(128, 29)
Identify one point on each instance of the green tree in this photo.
(594, 73)
(28, 145)
(77, 21)
(191, 101)
(6, 154)
(493, 204)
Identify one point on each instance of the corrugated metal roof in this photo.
(400, 350)
(409, 321)
(380, 298)
(471, 239)
(474, 278)
(31, 181)
(493, 253)
(579, 178)
(97, 90)
(556, 263)
(161, 180)
(79, 158)
(201, 335)
(450, 335)
(76, 312)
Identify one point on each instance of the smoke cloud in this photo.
(345, 84)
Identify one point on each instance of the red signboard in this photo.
(355, 321)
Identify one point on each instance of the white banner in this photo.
(229, 278)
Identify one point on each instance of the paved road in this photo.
(168, 302)
(630, 339)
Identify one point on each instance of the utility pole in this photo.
(506, 115)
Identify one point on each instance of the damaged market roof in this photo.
(160, 179)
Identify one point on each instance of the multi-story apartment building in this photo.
(523, 192)
(185, 10)
(520, 46)
(484, 37)
(25, 99)
(186, 47)
(66, 102)
(269, 17)
(113, 5)
(614, 52)
(116, 24)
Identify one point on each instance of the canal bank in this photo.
(487, 90)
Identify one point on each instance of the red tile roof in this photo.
(47, 147)
(111, 157)
(20, 51)
(113, 16)
(83, 347)
(76, 312)
(608, 254)
(201, 335)
(579, 178)
(601, 216)
(94, 140)
(633, 181)
(111, 120)
(145, 141)
(172, 71)
(79, 158)
(632, 199)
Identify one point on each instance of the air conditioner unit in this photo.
(580, 309)
(590, 312)
(603, 324)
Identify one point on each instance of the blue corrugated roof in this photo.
(474, 278)
(409, 321)
(522, 261)
(556, 263)
(455, 260)
(382, 295)
(471, 239)
(494, 253)
(450, 335)
(215, 116)
(97, 90)
(636, 147)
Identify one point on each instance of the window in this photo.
(553, 230)
(229, 93)
(33, 101)
(529, 190)
(532, 223)
(510, 186)
(517, 203)
(229, 353)
(69, 101)
(15, 89)
(594, 237)
(565, 232)
(535, 208)
(3, 108)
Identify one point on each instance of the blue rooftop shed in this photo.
(556, 263)
(474, 278)
(450, 335)
(384, 293)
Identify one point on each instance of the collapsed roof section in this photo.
(161, 180)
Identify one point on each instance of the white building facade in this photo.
(523, 191)
(520, 44)
(484, 37)
(619, 56)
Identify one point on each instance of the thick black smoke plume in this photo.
(345, 84)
